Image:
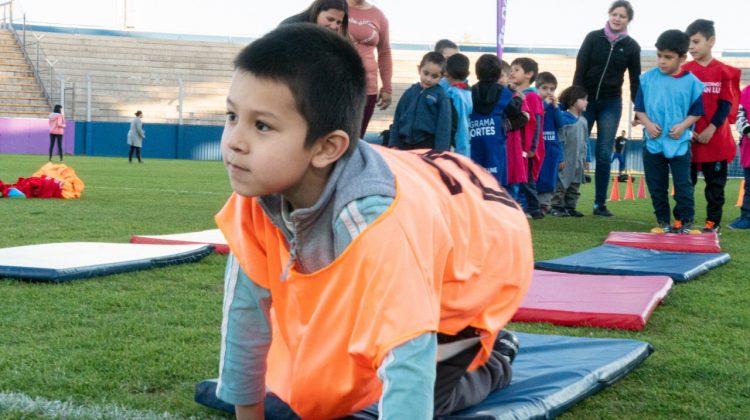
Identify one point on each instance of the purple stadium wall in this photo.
(31, 136)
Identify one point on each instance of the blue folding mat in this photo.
(64, 261)
(550, 374)
(628, 261)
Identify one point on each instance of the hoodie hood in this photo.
(54, 115)
(484, 96)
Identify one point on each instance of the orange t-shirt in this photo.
(453, 250)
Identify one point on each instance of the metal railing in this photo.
(52, 82)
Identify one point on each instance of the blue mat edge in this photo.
(594, 382)
(47, 275)
(551, 265)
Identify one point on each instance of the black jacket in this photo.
(600, 67)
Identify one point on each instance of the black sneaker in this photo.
(507, 345)
(602, 211)
(538, 215)
(575, 213)
(559, 213)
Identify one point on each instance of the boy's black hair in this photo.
(673, 40)
(321, 69)
(457, 66)
(488, 68)
(58, 108)
(570, 95)
(432, 57)
(443, 44)
(528, 65)
(701, 26)
(623, 3)
(546, 78)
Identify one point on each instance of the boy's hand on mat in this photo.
(249, 412)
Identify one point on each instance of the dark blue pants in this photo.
(606, 112)
(619, 157)
(528, 189)
(715, 175)
(657, 168)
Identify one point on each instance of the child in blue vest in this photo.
(668, 104)
(456, 72)
(486, 122)
(546, 185)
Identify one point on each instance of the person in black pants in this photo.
(56, 128)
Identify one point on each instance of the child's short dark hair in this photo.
(625, 4)
(443, 44)
(321, 69)
(701, 26)
(528, 65)
(546, 78)
(488, 68)
(434, 58)
(504, 67)
(673, 40)
(570, 95)
(457, 66)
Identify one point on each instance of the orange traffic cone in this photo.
(642, 188)
(615, 194)
(741, 196)
(629, 190)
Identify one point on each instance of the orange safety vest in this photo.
(452, 250)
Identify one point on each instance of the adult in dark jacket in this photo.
(332, 14)
(600, 68)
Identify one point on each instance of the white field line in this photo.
(22, 403)
(158, 190)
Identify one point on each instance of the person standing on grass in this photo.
(56, 129)
(135, 137)
(619, 154)
(713, 145)
(668, 103)
(743, 127)
(573, 135)
(601, 63)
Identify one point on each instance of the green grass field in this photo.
(134, 345)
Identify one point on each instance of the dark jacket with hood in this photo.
(601, 65)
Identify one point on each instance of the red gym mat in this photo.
(705, 242)
(210, 237)
(622, 302)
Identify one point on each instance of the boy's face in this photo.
(263, 139)
(447, 52)
(518, 77)
(581, 104)
(429, 74)
(669, 62)
(547, 91)
(700, 47)
(503, 80)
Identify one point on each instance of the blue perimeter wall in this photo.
(163, 141)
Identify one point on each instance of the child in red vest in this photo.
(713, 146)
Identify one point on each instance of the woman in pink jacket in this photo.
(56, 127)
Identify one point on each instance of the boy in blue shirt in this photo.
(456, 72)
(423, 115)
(546, 185)
(668, 103)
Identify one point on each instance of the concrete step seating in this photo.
(20, 95)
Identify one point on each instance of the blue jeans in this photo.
(606, 112)
(657, 168)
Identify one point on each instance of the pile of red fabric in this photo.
(36, 187)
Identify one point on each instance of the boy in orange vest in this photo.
(362, 280)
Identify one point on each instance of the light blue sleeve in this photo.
(245, 338)
(355, 217)
(408, 375)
